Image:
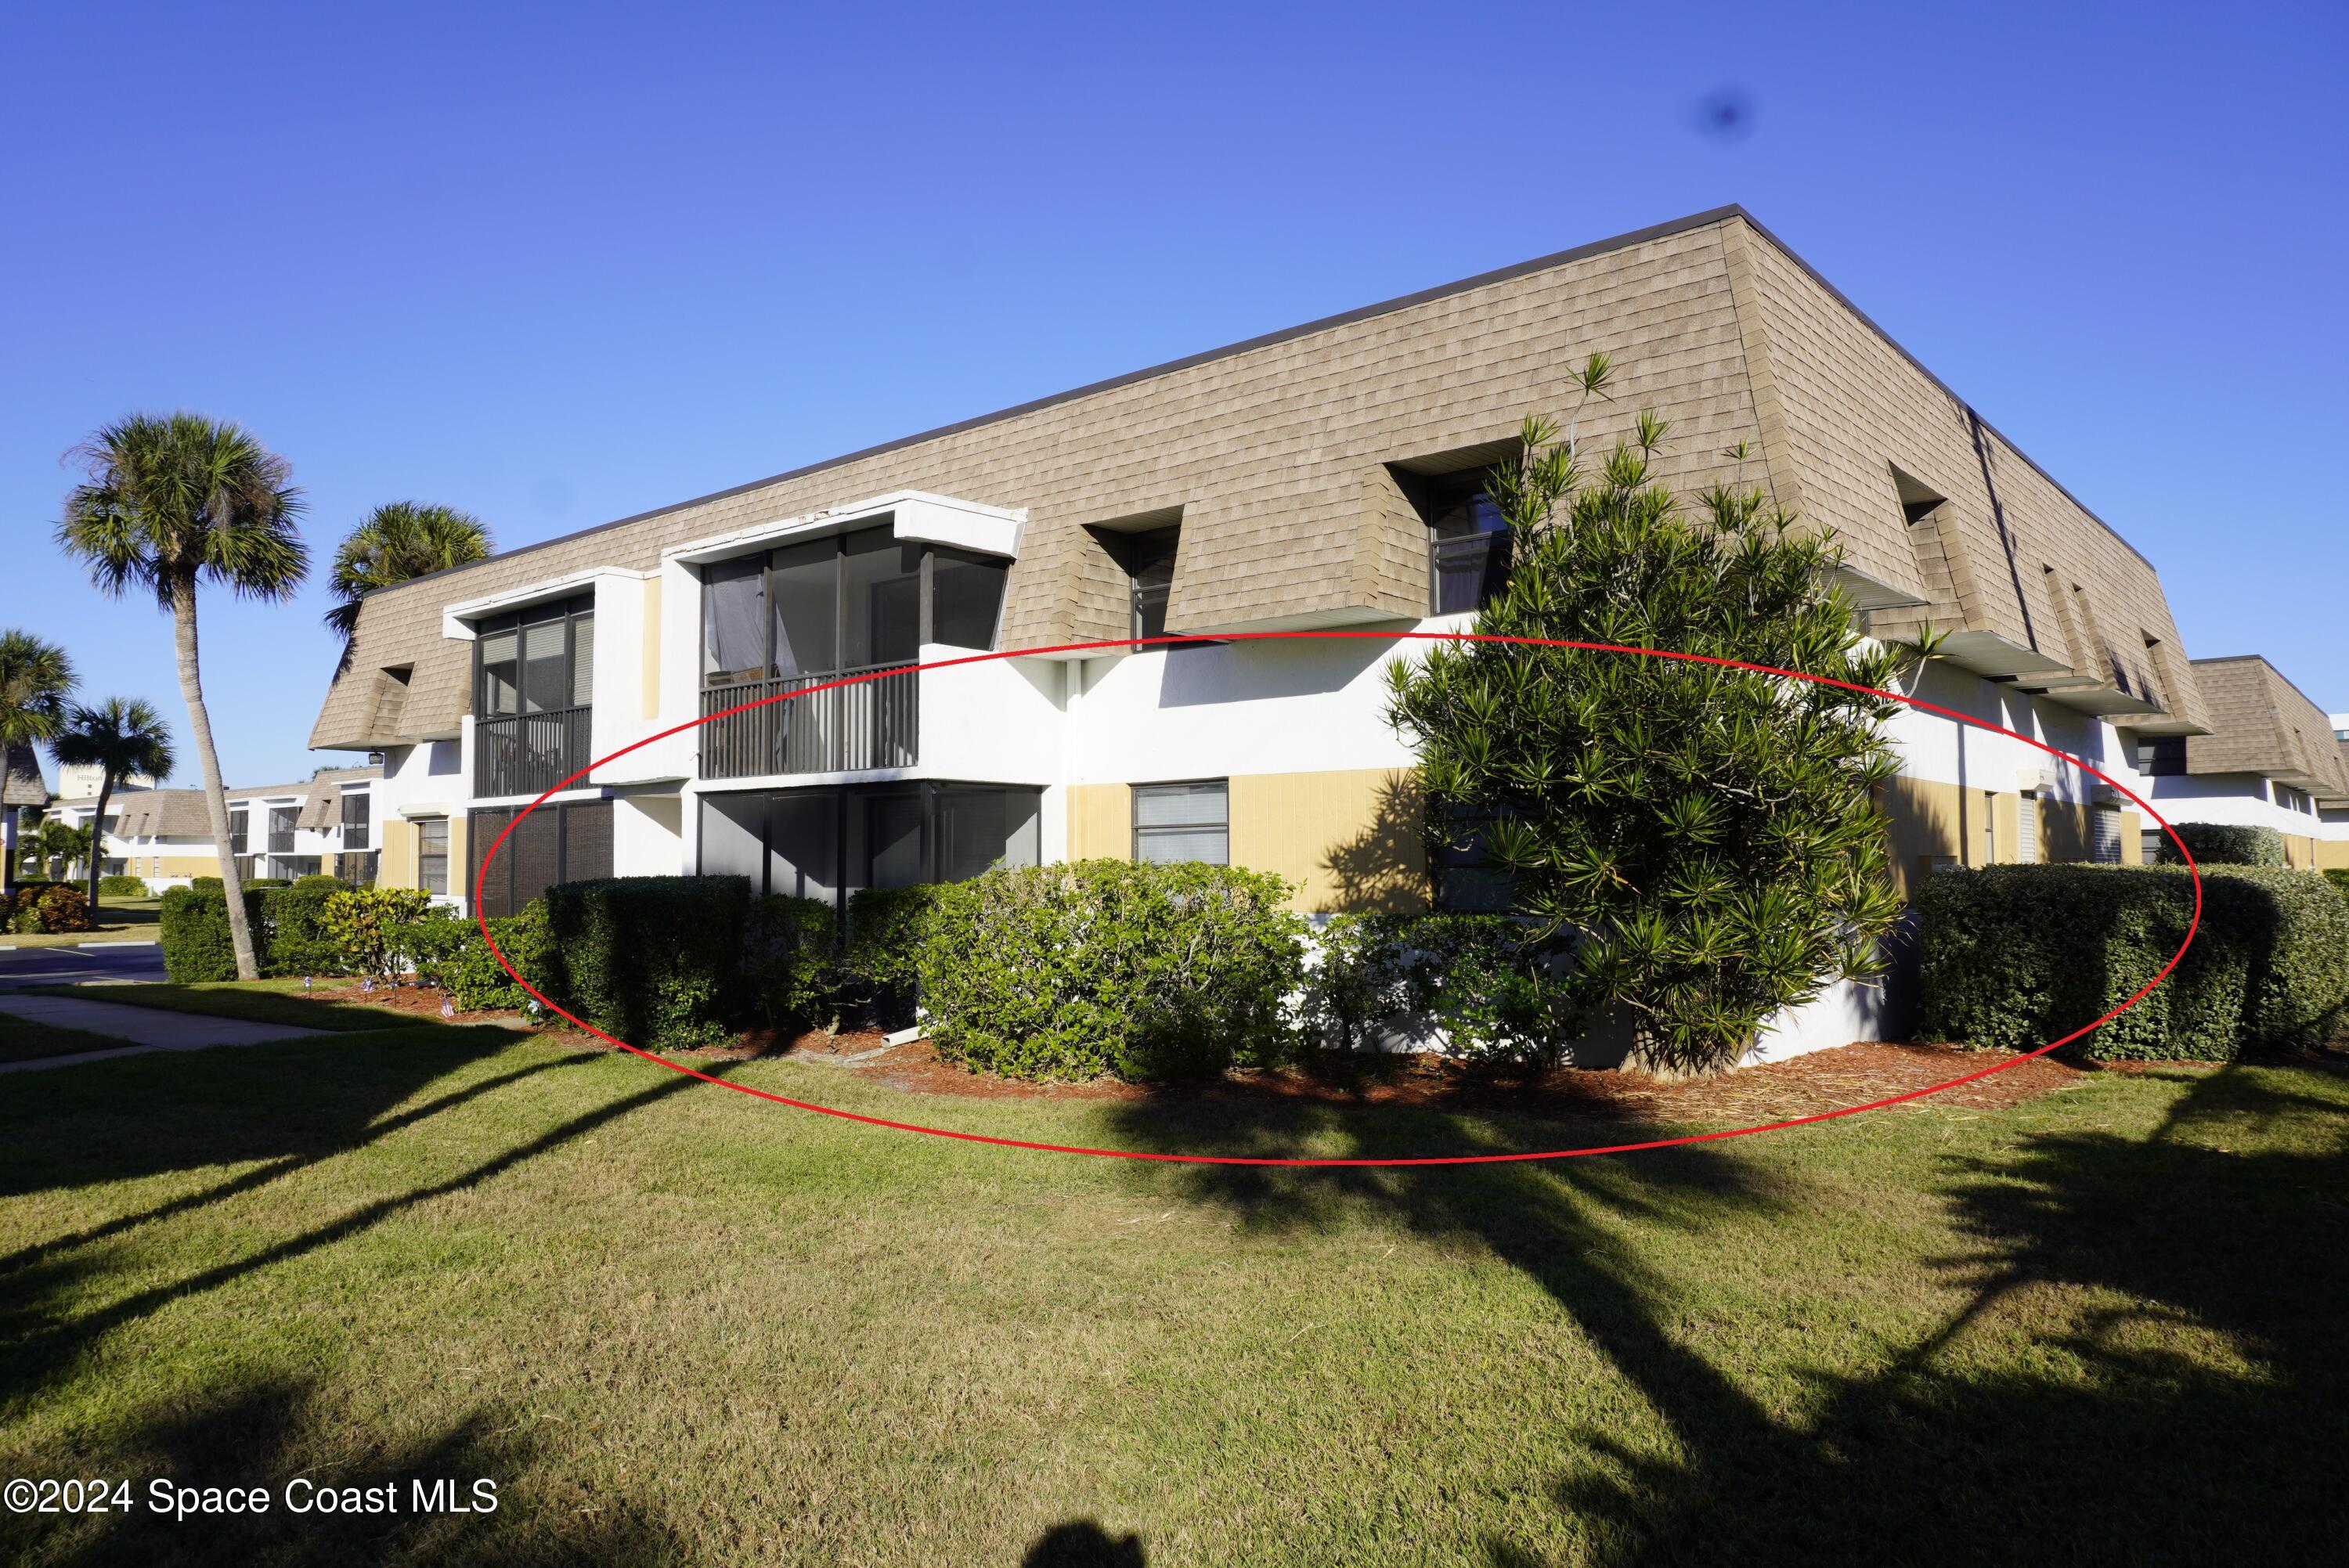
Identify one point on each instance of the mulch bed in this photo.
(1774, 1091)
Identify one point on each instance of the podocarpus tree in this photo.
(1697, 844)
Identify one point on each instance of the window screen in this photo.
(805, 586)
(881, 597)
(2026, 830)
(979, 827)
(966, 595)
(1174, 822)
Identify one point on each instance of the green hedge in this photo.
(654, 961)
(1144, 971)
(2019, 955)
(321, 882)
(789, 960)
(2339, 877)
(122, 887)
(288, 926)
(1495, 995)
(480, 983)
(2225, 844)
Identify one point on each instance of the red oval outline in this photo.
(1127, 645)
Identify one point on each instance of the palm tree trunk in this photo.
(192, 687)
(97, 838)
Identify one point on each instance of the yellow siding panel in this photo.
(1100, 822)
(650, 656)
(396, 865)
(1350, 839)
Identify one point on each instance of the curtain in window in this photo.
(734, 620)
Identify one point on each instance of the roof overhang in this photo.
(912, 515)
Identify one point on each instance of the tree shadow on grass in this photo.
(268, 1431)
(2182, 1403)
(139, 1117)
(44, 1338)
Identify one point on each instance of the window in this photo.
(1147, 557)
(2161, 756)
(357, 823)
(1466, 882)
(561, 841)
(2105, 835)
(281, 828)
(853, 601)
(538, 660)
(2026, 828)
(1468, 545)
(815, 842)
(1175, 822)
(432, 855)
(237, 820)
(2150, 843)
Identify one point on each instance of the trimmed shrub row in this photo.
(2019, 955)
(2224, 844)
(122, 887)
(1095, 968)
(289, 933)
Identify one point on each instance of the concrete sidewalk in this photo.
(141, 1030)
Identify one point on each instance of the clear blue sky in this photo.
(560, 265)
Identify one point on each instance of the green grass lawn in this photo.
(118, 920)
(675, 1325)
(337, 1006)
(22, 1039)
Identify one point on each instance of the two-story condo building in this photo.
(1327, 476)
(164, 836)
(2272, 758)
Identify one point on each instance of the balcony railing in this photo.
(846, 730)
(525, 753)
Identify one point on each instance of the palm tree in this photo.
(56, 844)
(400, 540)
(36, 677)
(171, 498)
(121, 737)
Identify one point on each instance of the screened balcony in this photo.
(808, 614)
(534, 695)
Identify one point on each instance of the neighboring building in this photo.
(323, 824)
(1326, 477)
(21, 787)
(2272, 758)
(78, 779)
